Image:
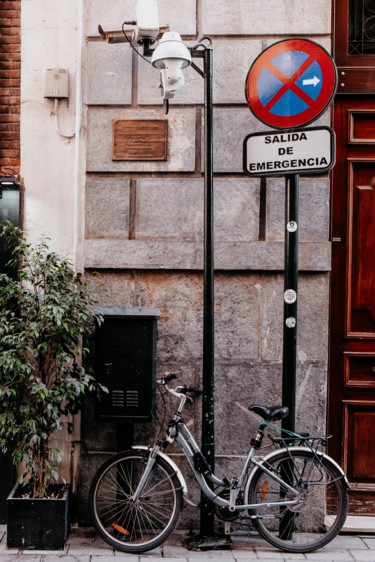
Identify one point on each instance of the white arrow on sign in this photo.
(311, 81)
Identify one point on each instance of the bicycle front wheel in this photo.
(322, 504)
(135, 526)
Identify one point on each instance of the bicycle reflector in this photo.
(120, 529)
(264, 491)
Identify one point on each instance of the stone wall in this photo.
(144, 220)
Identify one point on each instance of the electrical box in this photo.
(9, 210)
(125, 362)
(57, 83)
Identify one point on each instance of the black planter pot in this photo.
(37, 523)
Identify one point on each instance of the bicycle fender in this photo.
(320, 454)
(174, 467)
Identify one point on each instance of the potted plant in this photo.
(44, 314)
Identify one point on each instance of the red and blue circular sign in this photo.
(291, 83)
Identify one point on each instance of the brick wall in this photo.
(10, 78)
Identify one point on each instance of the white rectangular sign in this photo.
(289, 152)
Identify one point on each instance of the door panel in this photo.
(361, 250)
(362, 127)
(359, 420)
(359, 370)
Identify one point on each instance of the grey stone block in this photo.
(109, 74)
(313, 220)
(230, 127)
(171, 254)
(236, 204)
(107, 207)
(106, 12)
(169, 209)
(236, 317)
(173, 209)
(266, 18)
(232, 60)
(311, 398)
(181, 140)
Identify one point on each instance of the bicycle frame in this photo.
(189, 448)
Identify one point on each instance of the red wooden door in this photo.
(351, 397)
(352, 346)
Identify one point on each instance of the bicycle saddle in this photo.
(269, 414)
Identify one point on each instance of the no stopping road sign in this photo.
(291, 83)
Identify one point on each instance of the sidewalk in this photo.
(84, 545)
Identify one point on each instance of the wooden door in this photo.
(351, 397)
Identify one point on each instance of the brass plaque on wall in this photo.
(135, 139)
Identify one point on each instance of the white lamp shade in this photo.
(171, 47)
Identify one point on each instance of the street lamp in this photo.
(170, 56)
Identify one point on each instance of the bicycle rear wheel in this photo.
(141, 525)
(320, 513)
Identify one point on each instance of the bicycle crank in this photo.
(223, 512)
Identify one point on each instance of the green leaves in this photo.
(44, 315)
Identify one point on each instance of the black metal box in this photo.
(125, 362)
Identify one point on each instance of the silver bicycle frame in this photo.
(189, 446)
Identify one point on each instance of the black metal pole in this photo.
(208, 414)
(290, 299)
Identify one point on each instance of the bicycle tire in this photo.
(139, 526)
(317, 519)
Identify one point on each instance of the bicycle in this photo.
(296, 496)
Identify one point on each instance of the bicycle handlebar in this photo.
(179, 391)
(186, 389)
(168, 377)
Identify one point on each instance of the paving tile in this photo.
(176, 558)
(119, 556)
(171, 551)
(346, 542)
(241, 555)
(206, 557)
(330, 554)
(4, 550)
(363, 555)
(369, 542)
(222, 555)
(269, 554)
(66, 558)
